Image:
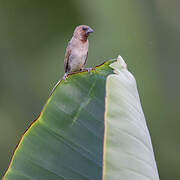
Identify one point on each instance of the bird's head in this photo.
(82, 32)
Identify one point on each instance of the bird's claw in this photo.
(65, 76)
(88, 69)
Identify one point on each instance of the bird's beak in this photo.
(89, 31)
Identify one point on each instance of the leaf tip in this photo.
(118, 65)
(121, 62)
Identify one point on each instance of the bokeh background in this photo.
(33, 38)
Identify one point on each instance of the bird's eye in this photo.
(84, 28)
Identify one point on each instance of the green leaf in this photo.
(92, 127)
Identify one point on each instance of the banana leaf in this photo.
(92, 127)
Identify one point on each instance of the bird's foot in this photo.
(65, 76)
(88, 69)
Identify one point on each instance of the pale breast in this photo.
(78, 57)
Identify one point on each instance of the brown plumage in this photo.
(77, 50)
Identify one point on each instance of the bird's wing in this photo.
(66, 60)
(86, 58)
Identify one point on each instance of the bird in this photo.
(77, 50)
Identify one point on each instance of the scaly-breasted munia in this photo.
(77, 50)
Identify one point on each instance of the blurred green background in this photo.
(33, 38)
